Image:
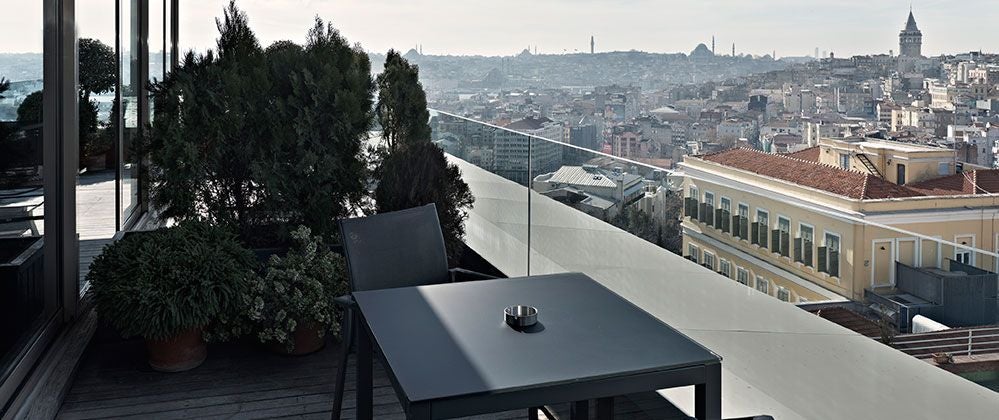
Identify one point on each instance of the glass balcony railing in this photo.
(546, 204)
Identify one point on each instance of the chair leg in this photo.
(347, 334)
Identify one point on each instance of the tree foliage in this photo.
(246, 137)
(402, 103)
(663, 231)
(419, 174)
(413, 171)
(98, 68)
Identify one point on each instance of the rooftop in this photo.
(803, 168)
(851, 184)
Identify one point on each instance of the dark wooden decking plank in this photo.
(243, 381)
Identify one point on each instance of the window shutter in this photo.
(755, 238)
(686, 207)
(744, 227)
(775, 240)
(785, 247)
(735, 226)
(834, 263)
(710, 214)
(719, 216)
(808, 253)
(726, 221)
(822, 260)
(763, 236)
(798, 256)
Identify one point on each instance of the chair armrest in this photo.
(345, 301)
(461, 274)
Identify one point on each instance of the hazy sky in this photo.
(504, 27)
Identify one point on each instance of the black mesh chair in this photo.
(398, 249)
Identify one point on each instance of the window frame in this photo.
(839, 248)
(764, 283)
(727, 265)
(739, 271)
(694, 252)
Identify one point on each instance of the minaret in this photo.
(712, 45)
(733, 49)
(592, 44)
(910, 40)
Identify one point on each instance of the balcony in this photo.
(614, 219)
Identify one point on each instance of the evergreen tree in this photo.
(414, 171)
(263, 139)
(402, 103)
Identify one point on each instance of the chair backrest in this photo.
(396, 249)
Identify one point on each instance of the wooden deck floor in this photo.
(240, 380)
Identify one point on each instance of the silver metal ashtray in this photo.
(520, 316)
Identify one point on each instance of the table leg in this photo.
(707, 396)
(605, 408)
(364, 380)
(579, 410)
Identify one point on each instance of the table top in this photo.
(450, 340)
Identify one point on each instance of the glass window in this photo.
(725, 268)
(694, 194)
(709, 260)
(709, 198)
(943, 168)
(832, 252)
(742, 276)
(763, 218)
(784, 224)
(844, 161)
(726, 204)
(762, 284)
(783, 294)
(744, 211)
(693, 253)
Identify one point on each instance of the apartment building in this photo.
(832, 220)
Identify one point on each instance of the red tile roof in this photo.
(984, 181)
(811, 174)
(810, 154)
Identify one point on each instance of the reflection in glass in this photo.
(24, 305)
(96, 183)
(131, 86)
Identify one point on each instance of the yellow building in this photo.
(835, 217)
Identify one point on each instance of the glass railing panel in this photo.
(499, 159)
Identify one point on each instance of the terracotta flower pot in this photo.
(306, 338)
(184, 351)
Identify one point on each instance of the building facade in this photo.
(834, 219)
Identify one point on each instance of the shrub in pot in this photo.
(291, 305)
(168, 285)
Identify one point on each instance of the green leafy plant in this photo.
(297, 290)
(160, 283)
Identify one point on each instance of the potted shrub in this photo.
(168, 285)
(291, 305)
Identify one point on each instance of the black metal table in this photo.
(449, 353)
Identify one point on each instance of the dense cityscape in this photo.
(751, 223)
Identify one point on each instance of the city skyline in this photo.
(846, 28)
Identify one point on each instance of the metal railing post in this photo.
(969, 341)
